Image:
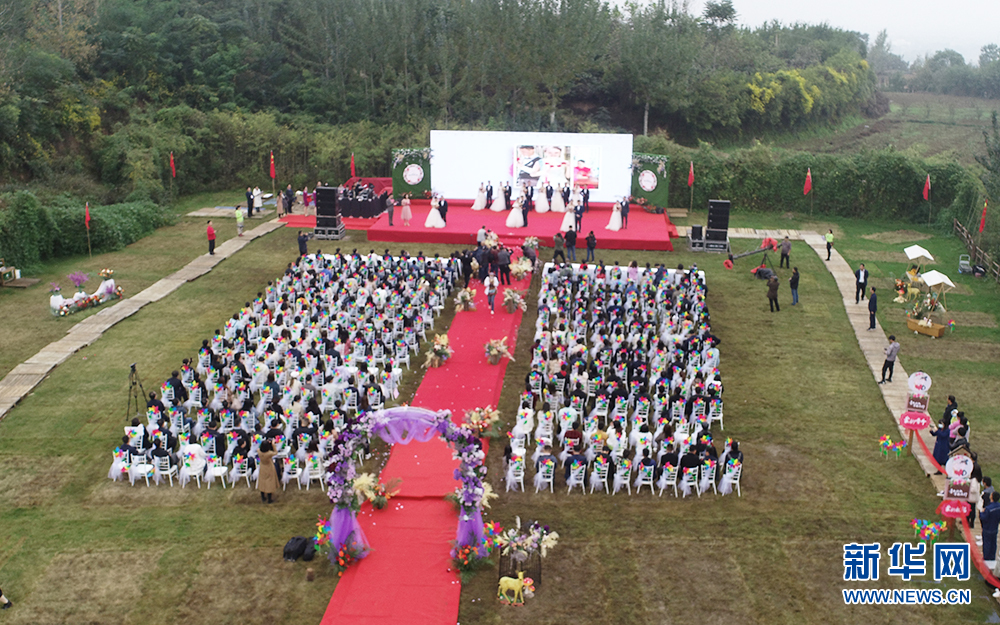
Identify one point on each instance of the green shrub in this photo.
(31, 233)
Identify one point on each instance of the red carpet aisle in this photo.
(406, 579)
(645, 231)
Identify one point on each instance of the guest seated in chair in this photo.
(160, 452)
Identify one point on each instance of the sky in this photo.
(915, 27)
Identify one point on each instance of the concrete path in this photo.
(29, 374)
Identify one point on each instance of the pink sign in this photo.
(954, 509)
(914, 420)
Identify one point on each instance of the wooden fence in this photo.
(979, 256)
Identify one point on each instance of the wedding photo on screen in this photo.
(576, 165)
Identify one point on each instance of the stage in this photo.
(646, 231)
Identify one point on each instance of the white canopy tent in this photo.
(935, 278)
(919, 254)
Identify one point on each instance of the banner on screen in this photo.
(462, 160)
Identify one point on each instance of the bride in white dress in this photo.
(498, 205)
(541, 202)
(434, 217)
(515, 218)
(480, 201)
(615, 223)
(558, 206)
(569, 221)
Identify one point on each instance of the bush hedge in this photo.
(31, 233)
(874, 184)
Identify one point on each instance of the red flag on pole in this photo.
(86, 216)
(173, 169)
(982, 220)
(927, 188)
(691, 175)
(809, 182)
(272, 166)
(352, 165)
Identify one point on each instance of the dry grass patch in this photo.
(894, 237)
(86, 588)
(28, 481)
(946, 349)
(270, 590)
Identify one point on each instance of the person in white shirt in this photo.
(481, 235)
(492, 284)
(258, 202)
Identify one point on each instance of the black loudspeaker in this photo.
(325, 221)
(326, 202)
(718, 214)
(716, 235)
(695, 233)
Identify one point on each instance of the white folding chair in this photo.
(292, 472)
(577, 476)
(545, 476)
(645, 478)
(163, 467)
(689, 481)
(243, 471)
(216, 469)
(715, 412)
(599, 476)
(668, 479)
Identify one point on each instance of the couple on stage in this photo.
(484, 198)
(438, 216)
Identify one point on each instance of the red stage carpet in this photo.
(408, 576)
(645, 231)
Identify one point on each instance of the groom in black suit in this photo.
(530, 195)
(585, 195)
(524, 210)
(489, 194)
(506, 195)
(443, 209)
(578, 211)
(565, 195)
(625, 213)
(548, 193)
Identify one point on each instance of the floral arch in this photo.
(402, 425)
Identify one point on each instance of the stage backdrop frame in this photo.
(403, 158)
(653, 186)
(465, 158)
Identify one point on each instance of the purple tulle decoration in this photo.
(470, 532)
(345, 531)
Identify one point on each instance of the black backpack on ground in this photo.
(296, 547)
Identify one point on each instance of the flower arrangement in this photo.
(54, 287)
(538, 538)
(106, 273)
(512, 300)
(465, 300)
(492, 240)
(497, 349)
(531, 242)
(520, 268)
(483, 421)
(926, 530)
(78, 278)
(346, 556)
(439, 352)
(366, 485)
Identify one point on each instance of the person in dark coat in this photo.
(772, 293)
(872, 309)
(302, 238)
(990, 518)
(942, 444)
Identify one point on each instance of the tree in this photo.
(656, 54)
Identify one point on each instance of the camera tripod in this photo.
(136, 394)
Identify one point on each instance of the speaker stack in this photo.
(717, 233)
(329, 225)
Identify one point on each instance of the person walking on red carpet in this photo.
(491, 284)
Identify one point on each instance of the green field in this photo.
(928, 124)
(77, 548)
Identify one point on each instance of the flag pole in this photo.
(929, 207)
(691, 207)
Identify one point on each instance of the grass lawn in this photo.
(802, 402)
(30, 327)
(76, 548)
(929, 124)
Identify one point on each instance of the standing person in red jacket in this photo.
(210, 231)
